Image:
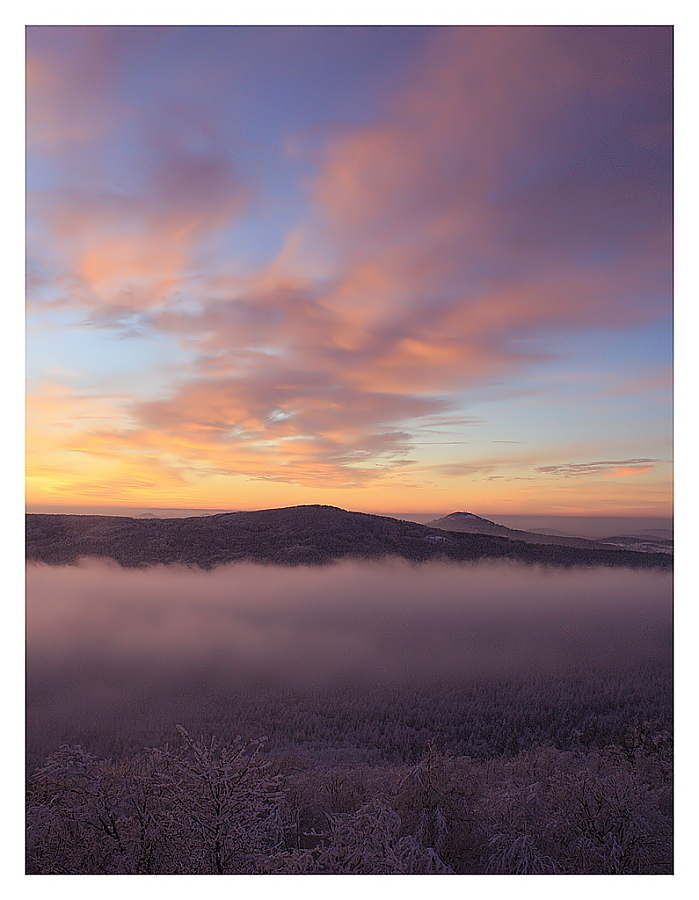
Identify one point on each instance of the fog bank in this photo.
(381, 620)
(116, 657)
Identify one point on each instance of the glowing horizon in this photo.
(416, 269)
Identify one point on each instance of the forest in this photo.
(301, 535)
(527, 775)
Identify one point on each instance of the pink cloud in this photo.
(609, 468)
(482, 206)
(133, 189)
(487, 175)
(449, 246)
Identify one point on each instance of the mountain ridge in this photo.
(299, 535)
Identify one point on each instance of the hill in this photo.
(468, 523)
(297, 535)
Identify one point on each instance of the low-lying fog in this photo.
(387, 620)
(116, 657)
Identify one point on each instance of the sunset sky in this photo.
(389, 269)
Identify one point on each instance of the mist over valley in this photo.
(371, 683)
(102, 637)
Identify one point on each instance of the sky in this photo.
(389, 269)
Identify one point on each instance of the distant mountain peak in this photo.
(466, 515)
(470, 523)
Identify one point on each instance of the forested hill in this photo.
(471, 524)
(298, 535)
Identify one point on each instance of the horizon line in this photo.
(35, 508)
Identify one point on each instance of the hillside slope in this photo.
(298, 535)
